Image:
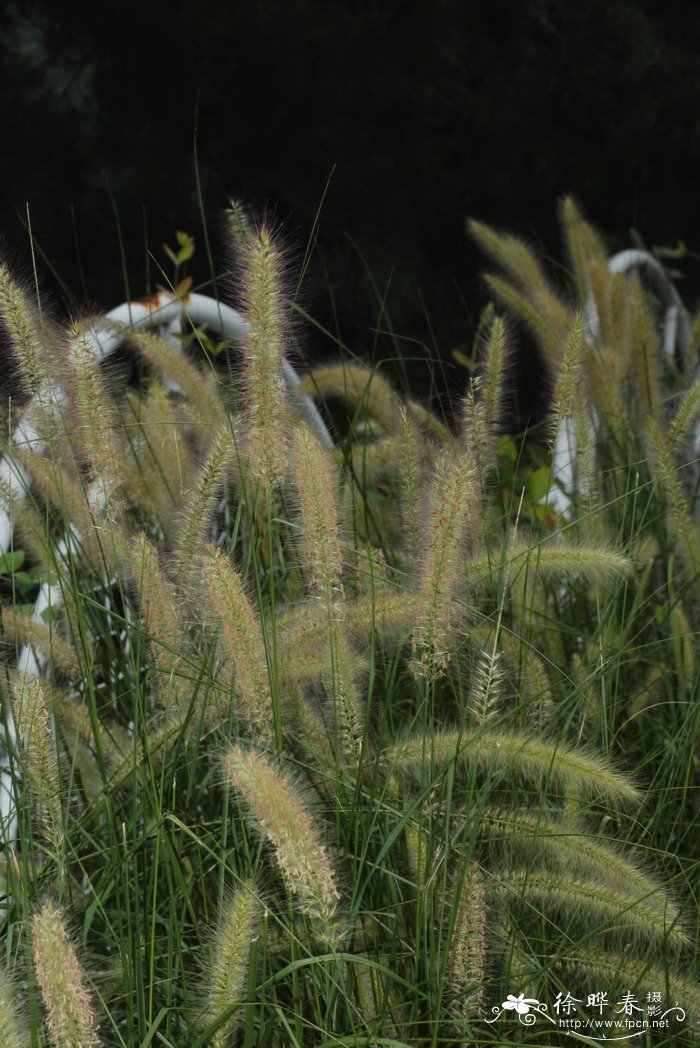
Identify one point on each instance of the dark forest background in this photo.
(385, 124)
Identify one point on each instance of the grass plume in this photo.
(276, 806)
(243, 639)
(225, 977)
(263, 353)
(70, 1016)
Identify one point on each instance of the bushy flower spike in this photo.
(200, 392)
(316, 484)
(238, 226)
(410, 496)
(360, 387)
(609, 904)
(243, 638)
(567, 389)
(14, 1032)
(23, 629)
(96, 428)
(516, 753)
(162, 467)
(529, 294)
(198, 508)
(70, 1016)
(225, 978)
(467, 955)
(263, 354)
(158, 602)
(276, 806)
(322, 554)
(551, 561)
(65, 489)
(453, 508)
(487, 688)
(583, 245)
(35, 345)
(484, 413)
(31, 711)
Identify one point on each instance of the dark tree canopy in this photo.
(413, 115)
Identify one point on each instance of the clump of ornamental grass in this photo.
(625, 388)
(410, 722)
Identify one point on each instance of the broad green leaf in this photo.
(10, 562)
(539, 482)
